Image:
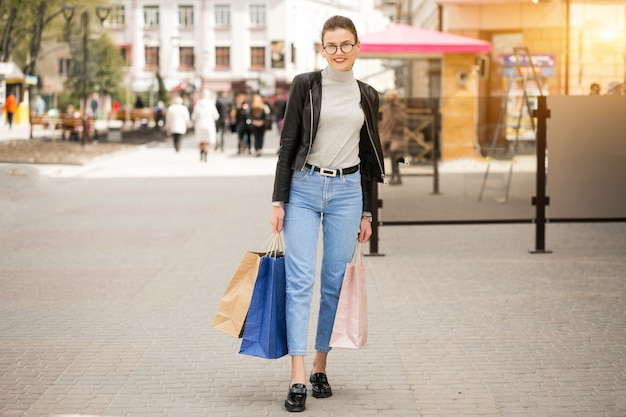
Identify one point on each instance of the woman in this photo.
(243, 123)
(329, 158)
(392, 124)
(10, 107)
(258, 116)
(204, 116)
(176, 121)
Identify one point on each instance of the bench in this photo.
(143, 116)
(72, 125)
(41, 120)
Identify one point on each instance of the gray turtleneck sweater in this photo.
(336, 143)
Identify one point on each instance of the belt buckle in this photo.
(328, 172)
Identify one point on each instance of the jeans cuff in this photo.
(323, 350)
(297, 353)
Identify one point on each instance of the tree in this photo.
(162, 94)
(28, 24)
(9, 10)
(103, 70)
(24, 25)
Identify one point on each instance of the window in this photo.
(222, 57)
(222, 14)
(117, 17)
(186, 57)
(152, 58)
(257, 14)
(257, 58)
(151, 15)
(64, 66)
(185, 16)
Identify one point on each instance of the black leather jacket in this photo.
(300, 127)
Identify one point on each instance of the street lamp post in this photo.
(102, 12)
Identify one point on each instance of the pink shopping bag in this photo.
(350, 328)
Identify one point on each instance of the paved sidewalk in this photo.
(22, 131)
(111, 274)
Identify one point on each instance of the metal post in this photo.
(436, 151)
(374, 239)
(541, 200)
(85, 28)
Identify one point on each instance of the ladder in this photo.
(524, 68)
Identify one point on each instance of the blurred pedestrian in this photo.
(204, 116)
(280, 105)
(391, 129)
(594, 89)
(223, 105)
(177, 121)
(10, 106)
(243, 124)
(40, 105)
(95, 100)
(259, 115)
(159, 114)
(138, 102)
(329, 159)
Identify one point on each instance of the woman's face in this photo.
(341, 61)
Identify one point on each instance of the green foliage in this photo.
(27, 25)
(162, 95)
(65, 99)
(102, 72)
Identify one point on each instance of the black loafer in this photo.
(296, 399)
(321, 387)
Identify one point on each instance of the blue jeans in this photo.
(336, 203)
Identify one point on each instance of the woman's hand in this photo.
(276, 220)
(365, 230)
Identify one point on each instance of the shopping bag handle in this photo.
(357, 257)
(276, 245)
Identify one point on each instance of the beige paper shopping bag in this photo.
(233, 308)
(234, 305)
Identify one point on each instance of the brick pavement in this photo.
(109, 286)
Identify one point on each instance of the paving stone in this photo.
(109, 287)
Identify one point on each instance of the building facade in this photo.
(231, 45)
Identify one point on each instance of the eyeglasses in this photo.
(346, 48)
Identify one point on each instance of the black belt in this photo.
(333, 172)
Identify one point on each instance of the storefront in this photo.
(572, 44)
(442, 72)
(13, 81)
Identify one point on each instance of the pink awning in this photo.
(410, 40)
(478, 2)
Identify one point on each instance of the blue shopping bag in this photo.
(265, 330)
